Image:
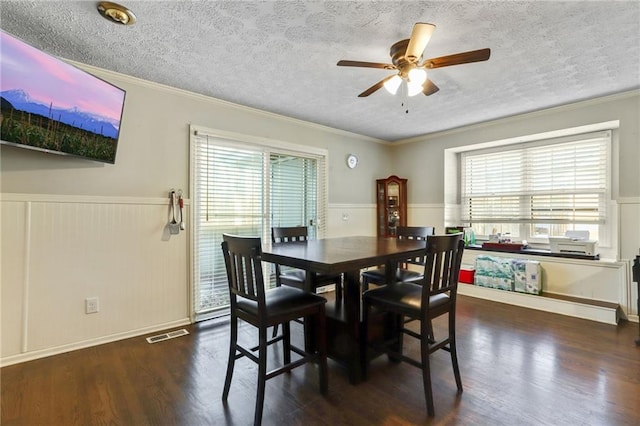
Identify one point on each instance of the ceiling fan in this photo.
(405, 58)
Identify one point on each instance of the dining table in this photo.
(347, 256)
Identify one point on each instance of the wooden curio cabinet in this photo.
(391, 199)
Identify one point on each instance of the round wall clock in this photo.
(352, 161)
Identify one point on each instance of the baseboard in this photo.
(32, 355)
(605, 314)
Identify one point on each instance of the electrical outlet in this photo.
(91, 305)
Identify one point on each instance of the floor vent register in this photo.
(167, 336)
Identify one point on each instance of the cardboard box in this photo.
(519, 275)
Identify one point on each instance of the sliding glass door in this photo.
(244, 189)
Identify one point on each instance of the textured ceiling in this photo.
(280, 56)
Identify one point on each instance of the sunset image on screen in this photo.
(51, 105)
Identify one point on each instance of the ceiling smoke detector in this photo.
(116, 13)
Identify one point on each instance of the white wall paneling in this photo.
(603, 280)
(351, 220)
(556, 306)
(57, 251)
(426, 215)
(360, 219)
(629, 219)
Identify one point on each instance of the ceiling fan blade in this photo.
(366, 65)
(375, 87)
(429, 88)
(420, 36)
(458, 58)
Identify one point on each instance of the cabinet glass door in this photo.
(393, 208)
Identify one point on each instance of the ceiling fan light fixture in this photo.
(413, 87)
(393, 84)
(417, 76)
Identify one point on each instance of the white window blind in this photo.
(244, 189)
(294, 182)
(564, 182)
(227, 199)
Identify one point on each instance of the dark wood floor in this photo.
(519, 367)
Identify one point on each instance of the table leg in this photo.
(309, 326)
(394, 322)
(353, 306)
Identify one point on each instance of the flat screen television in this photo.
(50, 105)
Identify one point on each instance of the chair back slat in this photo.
(443, 257)
(289, 234)
(243, 261)
(420, 233)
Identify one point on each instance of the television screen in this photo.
(52, 106)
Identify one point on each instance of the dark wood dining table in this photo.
(348, 256)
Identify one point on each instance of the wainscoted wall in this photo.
(59, 250)
(360, 219)
(351, 220)
(629, 243)
(602, 281)
(427, 215)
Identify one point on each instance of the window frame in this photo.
(453, 178)
(266, 147)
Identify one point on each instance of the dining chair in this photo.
(296, 277)
(436, 296)
(262, 308)
(403, 273)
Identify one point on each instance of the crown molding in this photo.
(518, 117)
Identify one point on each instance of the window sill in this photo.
(537, 252)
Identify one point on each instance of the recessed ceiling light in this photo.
(116, 13)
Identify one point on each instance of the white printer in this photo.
(574, 242)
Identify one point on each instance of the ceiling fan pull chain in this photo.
(405, 96)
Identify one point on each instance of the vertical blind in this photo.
(555, 182)
(245, 189)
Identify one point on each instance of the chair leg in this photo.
(262, 375)
(432, 337)
(321, 333)
(395, 324)
(275, 330)
(339, 290)
(232, 356)
(365, 284)
(426, 369)
(453, 350)
(364, 362)
(286, 342)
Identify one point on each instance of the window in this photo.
(293, 191)
(538, 189)
(244, 187)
